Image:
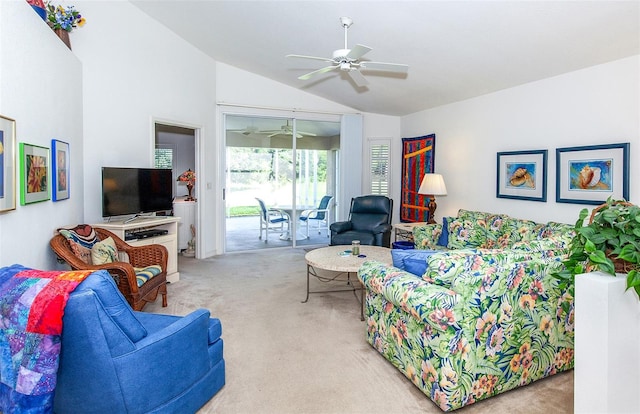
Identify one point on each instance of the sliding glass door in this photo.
(276, 168)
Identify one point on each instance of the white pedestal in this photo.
(186, 210)
(607, 347)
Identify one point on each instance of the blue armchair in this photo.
(369, 221)
(116, 360)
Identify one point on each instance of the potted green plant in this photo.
(609, 242)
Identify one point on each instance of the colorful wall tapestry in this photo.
(417, 160)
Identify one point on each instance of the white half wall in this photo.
(607, 340)
(597, 105)
(41, 88)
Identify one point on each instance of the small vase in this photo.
(64, 36)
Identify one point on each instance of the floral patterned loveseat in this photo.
(477, 322)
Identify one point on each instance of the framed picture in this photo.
(522, 175)
(591, 174)
(34, 173)
(7, 164)
(59, 170)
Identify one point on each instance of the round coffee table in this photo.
(333, 259)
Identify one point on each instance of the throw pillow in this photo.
(412, 261)
(82, 234)
(81, 239)
(444, 236)
(80, 251)
(104, 251)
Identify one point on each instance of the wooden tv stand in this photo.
(169, 240)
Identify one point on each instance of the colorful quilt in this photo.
(31, 308)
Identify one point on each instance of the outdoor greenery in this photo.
(240, 211)
(259, 165)
(613, 234)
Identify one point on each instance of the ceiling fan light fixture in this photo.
(348, 60)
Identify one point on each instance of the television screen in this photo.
(136, 190)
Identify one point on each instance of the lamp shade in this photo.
(187, 176)
(433, 184)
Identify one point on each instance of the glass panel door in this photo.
(265, 156)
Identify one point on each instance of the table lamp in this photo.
(188, 177)
(433, 185)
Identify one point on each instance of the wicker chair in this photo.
(123, 272)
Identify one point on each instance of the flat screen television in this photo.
(127, 191)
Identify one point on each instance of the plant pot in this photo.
(64, 36)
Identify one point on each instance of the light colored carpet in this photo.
(284, 356)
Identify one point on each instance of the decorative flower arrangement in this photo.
(59, 17)
(188, 176)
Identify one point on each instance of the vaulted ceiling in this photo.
(455, 49)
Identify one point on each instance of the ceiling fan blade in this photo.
(358, 51)
(310, 57)
(358, 78)
(389, 67)
(317, 72)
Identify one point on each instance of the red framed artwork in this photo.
(417, 160)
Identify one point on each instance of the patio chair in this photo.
(272, 219)
(320, 215)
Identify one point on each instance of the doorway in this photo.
(289, 164)
(175, 148)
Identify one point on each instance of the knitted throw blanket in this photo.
(31, 307)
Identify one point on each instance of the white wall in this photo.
(137, 71)
(597, 105)
(41, 88)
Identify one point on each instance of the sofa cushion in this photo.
(426, 237)
(524, 229)
(498, 232)
(413, 261)
(563, 231)
(443, 268)
(474, 215)
(143, 274)
(466, 233)
(550, 246)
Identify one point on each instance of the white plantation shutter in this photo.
(380, 162)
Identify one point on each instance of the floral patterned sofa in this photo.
(476, 229)
(478, 321)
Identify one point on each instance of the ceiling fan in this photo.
(348, 60)
(287, 130)
(250, 129)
